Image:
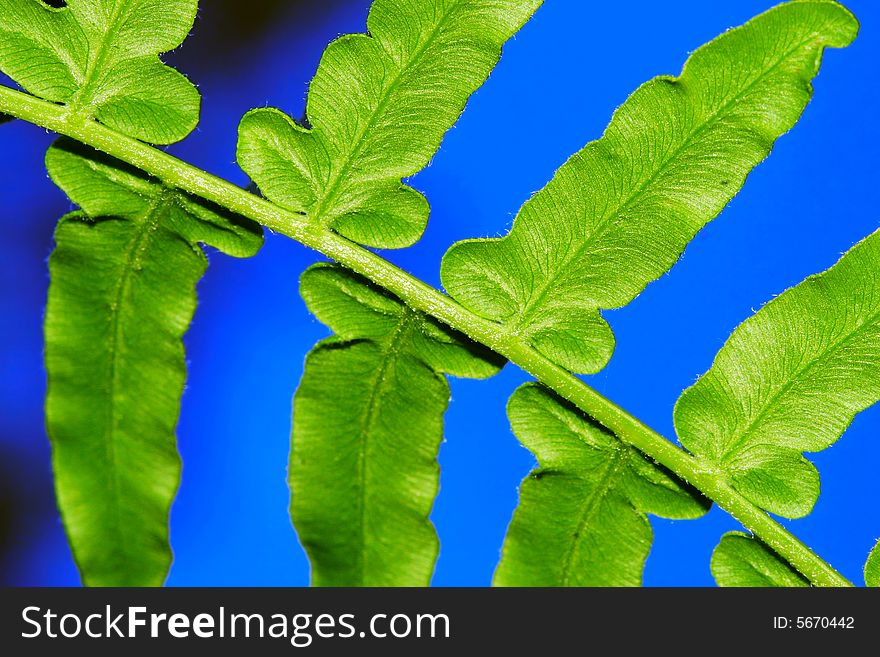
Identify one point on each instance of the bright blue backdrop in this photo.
(554, 91)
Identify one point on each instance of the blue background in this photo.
(554, 91)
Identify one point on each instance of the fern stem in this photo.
(424, 298)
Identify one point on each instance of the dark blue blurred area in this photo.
(554, 91)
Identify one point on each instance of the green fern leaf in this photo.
(122, 295)
(872, 567)
(367, 425)
(619, 214)
(741, 560)
(100, 58)
(581, 515)
(790, 379)
(378, 108)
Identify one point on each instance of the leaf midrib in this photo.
(869, 321)
(607, 221)
(82, 97)
(148, 222)
(335, 182)
(391, 348)
(607, 480)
